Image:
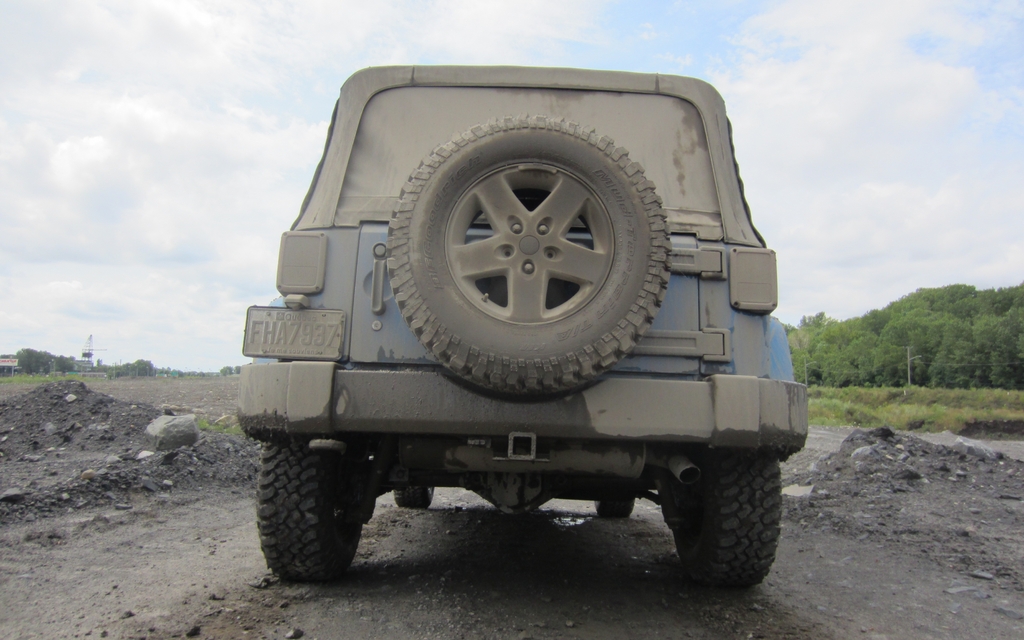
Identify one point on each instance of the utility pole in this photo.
(909, 359)
(805, 370)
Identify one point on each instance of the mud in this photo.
(993, 428)
(870, 552)
(67, 449)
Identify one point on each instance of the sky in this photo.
(152, 152)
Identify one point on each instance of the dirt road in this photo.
(168, 567)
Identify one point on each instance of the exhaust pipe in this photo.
(683, 469)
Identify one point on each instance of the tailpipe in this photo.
(681, 467)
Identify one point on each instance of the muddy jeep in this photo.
(533, 284)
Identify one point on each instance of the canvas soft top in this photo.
(726, 218)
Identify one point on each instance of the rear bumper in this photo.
(318, 399)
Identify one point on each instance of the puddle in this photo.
(569, 521)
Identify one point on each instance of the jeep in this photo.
(532, 283)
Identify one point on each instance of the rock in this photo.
(194, 631)
(956, 590)
(216, 597)
(31, 458)
(167, 484)
(907, 473)
(798, 491)
(70, 397)
(127, 614)
(49, 429)
(263, 582)
(974, 448)
(863, 452)
(12, 495)
(169, 457)
(295, 633)
(143, 455)
(1009, 613)
(149, 485)
(882, 432)
(64, 497)
(570, 624)
(983, 575)
(111, 460)
(123, 507)
(170, 432)
(88, 474)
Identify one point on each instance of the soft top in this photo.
(725, 215)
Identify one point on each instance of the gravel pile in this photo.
(64, 447)
(881, 486)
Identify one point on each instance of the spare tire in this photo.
(528, 254)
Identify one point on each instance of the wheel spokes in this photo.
(477, 259)
(579, 264)
(498, 201)
(526, 296)
(563, 205)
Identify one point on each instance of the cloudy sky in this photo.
(151, 153)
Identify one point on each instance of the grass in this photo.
(27, 379)
(231, 430)
(917, 407)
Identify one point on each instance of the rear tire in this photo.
(614, 508)
(414, 497)
(303, 495)
(730, 528)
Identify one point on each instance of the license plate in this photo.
(303, 334)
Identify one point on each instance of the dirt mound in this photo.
(883, 486)
(990, 428)
(65, 447)
(68, 414)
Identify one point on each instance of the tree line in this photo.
(36, 362)
(954, 337)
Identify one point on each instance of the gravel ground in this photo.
(898, 538)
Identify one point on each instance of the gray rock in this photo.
(49, 429)
(142, 455)
(111, 460)
(169, 457)
(863, 452)
(907, 473)
(12, 495)
(149, 485)
(170, 432)
(295, 633)
(974, 448)
(1009, 613)
(798, 491)
(983, 575)
(31, 458)
(70, 397)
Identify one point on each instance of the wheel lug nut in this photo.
(527, 267)
(542, 229)
(517, 228)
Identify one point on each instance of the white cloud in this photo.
(151, 153)
(874, 164)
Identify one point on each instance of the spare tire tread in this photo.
(525, 375)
